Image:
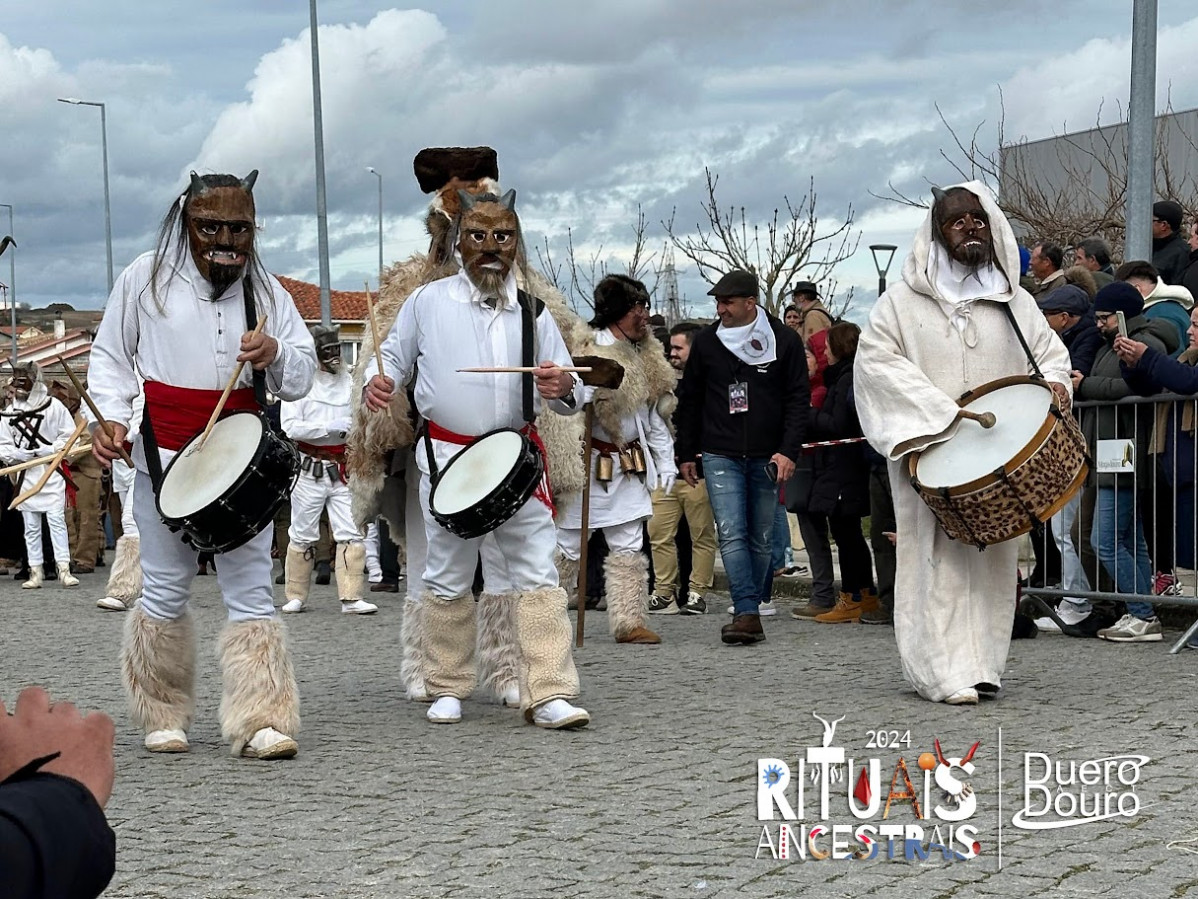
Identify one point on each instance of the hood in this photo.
(916, 272)
(1164, 291)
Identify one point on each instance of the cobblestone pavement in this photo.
(656, 799)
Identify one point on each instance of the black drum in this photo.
(223, 494)
(486, 483)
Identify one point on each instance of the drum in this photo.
(486, 483)
(989, 485)
(222, 494)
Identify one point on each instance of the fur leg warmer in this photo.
(627, 578)
(351, 576)
(259, 684)
(299, 572)
(448, 645)
(498, 647)
(124, 581)
(158, 667)
(547, 662)
(411, 668)
(567, 579)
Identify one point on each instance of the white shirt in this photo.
(55, 428)
(193, 343)
(321, 417)
(445, 326)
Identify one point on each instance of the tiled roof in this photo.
(346, 305)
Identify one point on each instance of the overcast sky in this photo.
(593, 109)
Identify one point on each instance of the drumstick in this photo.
(517, 369)
(374, 330)
(985, 419)
(96, 412)
(81, 450)
(51, 467)
(224, 397)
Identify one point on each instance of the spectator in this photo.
(744, 407)
(1118, 532)
(793, 318)
(1046, 266)
(1189, 280)
(56, 774)
(1162, 303)
(83, 503)
(1170, 254)
(798, 497)
(1094, 255)
(814, 318)
(682, 502)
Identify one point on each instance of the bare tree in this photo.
(787, 248)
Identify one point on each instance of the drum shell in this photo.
(1039, 479)
(502, 502)
(249, 504)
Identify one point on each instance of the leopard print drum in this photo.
(986, 486)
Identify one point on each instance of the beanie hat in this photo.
(615, 295)
(1025, 260)
(1168, 211)
(1119, 296)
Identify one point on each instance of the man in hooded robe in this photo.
(934, 335)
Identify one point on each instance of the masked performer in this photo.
(318, 424)
(632, 453)
(478, 317)
(83, 501)
(37, 425)
(936, 334)
(124, 580)
(182, 316)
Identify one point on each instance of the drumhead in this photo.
(974, 452)
(197, 477)
(474, 473)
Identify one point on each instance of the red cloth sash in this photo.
(543, 492)
(332, 453)
(179, 413)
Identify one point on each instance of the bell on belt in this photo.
(638, 459)
(603, 469)
(626, 464)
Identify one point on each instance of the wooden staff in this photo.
(224, 397)
(518, 369)
(51, 467)
(374, 330)
(985, 419)
(96, 412)
(81, 450)
(586, 513)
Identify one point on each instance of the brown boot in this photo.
(637, 635)
(744, 629)
(849, 609)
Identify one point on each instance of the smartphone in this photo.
(1122, 323)
(771, 469)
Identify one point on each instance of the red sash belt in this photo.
(179, 413)
(332, 453)
(543, 492)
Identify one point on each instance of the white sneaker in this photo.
(511, 697)
(375, 575)
(112, 604)
(764, 610)
(358, 607)
(293, 605)
(1046, 625)
(446, 710)
(968, 696)
(269, 743)
(1130, 629)
(557, 714)
(167, 741)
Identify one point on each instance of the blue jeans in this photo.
(1118, 541)
(782, 556)
(744, 501)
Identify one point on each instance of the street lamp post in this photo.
(880, 251)
(75, 101)
(370, 169)
(12, 281)
(322, 209)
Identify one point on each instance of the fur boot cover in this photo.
(351, 571)
(627, 577)
(498, 646)
(298, 572)
(567, 578)
(449, 634)
(158, 668)
(259, 684)
(411, 666)
(547, 663)
(124, 581)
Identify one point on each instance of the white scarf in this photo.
(753, 343)
(959, 286)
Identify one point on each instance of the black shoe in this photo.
(281, 578)
(51, 572)
(744, 629)
(100, 562)
(324, 573)
(384, 587)
(22, 575)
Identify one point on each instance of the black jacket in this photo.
(778, 396)
(1189, 279)
(841, 479)
(1083, 341)
(54, 840)
(1170, 256)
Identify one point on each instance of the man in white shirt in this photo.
(180, 317)
(318, 424)
(470, 319)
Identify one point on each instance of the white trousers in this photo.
(1073, 574)
(628, 537)
(308, 499)
(58, 536)
(123, 479)
(168, 565)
